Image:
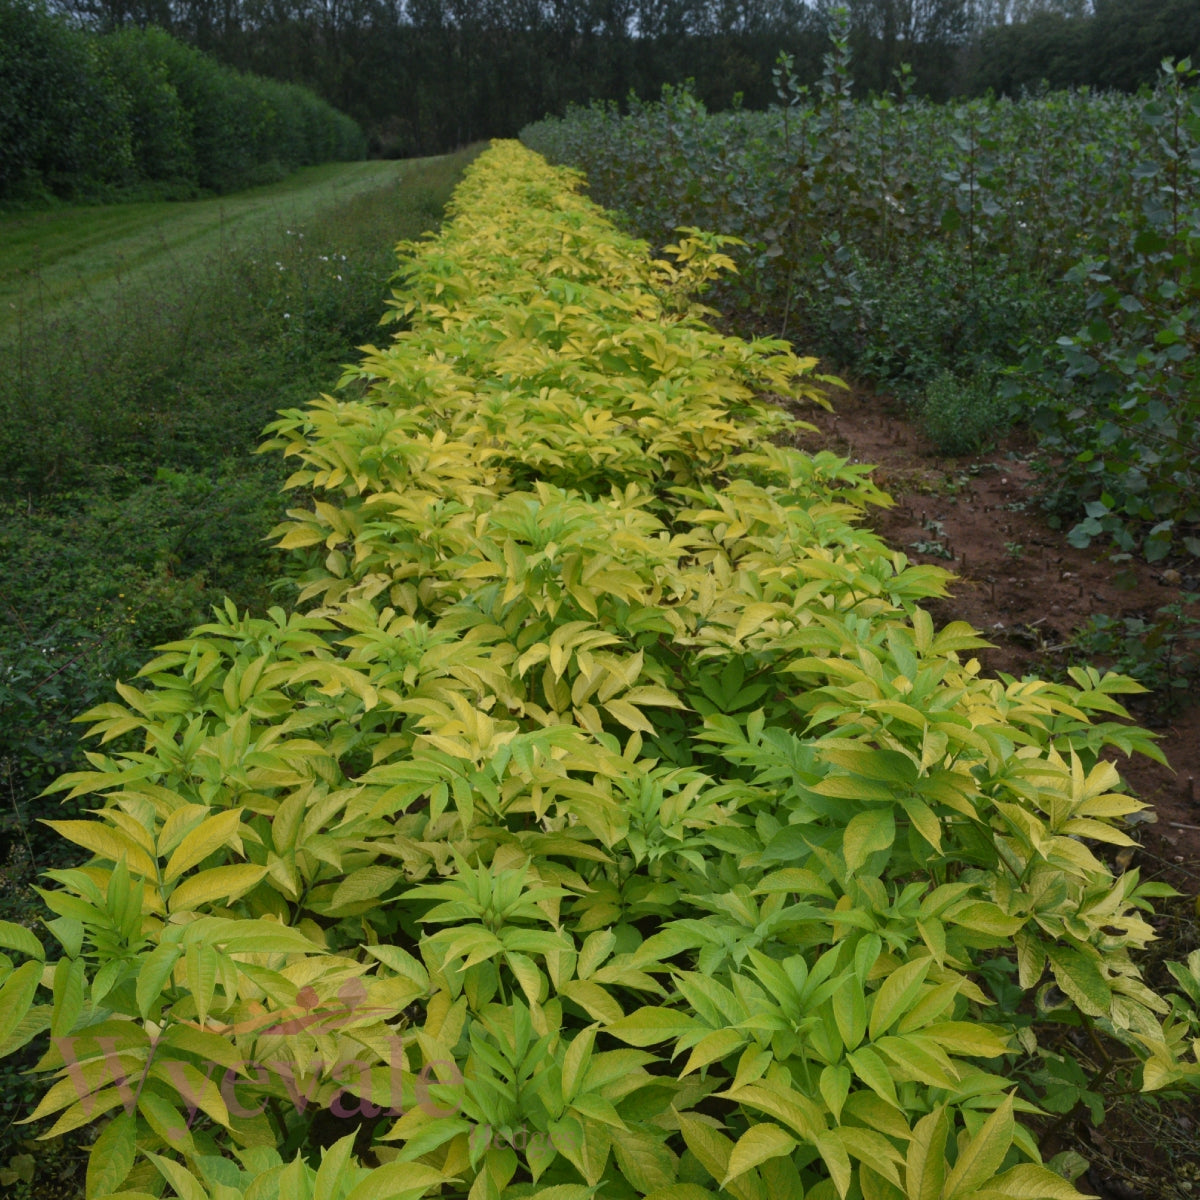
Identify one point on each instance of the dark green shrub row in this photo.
(986, 261)
(139, 112)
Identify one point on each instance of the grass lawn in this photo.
(51, 257)
(145, 348)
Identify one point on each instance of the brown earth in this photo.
(1029, 591)
(1022, 584)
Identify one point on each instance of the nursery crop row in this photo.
(610, 819)
(933, 248)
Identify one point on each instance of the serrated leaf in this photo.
(575, 1061)
(835, 1087)
(69, 983)
(112, 1156)
(644, 1160)
(714, 1046)
(201, 965)
(208, 837)
(629, 716)
(896, 995)
(219, 885)
(981, 1158)
(107, 843)
(334, 1161)
(756, 1145)
(925, 1163)
(593, 999)
(197, 1090)
(650, 1026)
(16, 997)
(1032, 1181)
(865, 834)
(17, 937)
(971, 1041)
(153, 974)
(1080, 978)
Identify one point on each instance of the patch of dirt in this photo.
(1024, 587)
(1021, 584)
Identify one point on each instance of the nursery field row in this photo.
(989, 261)
(608, 818)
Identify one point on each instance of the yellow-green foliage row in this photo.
(609, 820)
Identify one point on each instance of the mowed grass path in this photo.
(50, 259)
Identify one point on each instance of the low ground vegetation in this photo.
(609, 812)
(130, 496)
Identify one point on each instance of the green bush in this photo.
(962, 416)
(159, 123)
(62, 119)
(137, 111)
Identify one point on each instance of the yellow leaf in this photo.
(219, 886)
(756, 1145)
(209, 836)
(106, 842)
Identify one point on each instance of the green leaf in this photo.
(925, 1165)
(153, 975)
(202, 966)
(1080, 978)
(644, 1160)
(917, 1061)
(208, 837)
(112, 1155)
(249, 937)
(575, 1061)
(69, 981)
(896, 995)
(971, 1041)
(219, 885)
(650, 1026)
(865, 834)
(986, 917)
(1032, 1181)
(186, 1185)
(714, 1046)
(835, 1087)
(873, 1071)
(334, 1162)
(16, 996)
(836, 1159)
(17, 937)
(981, 1158)
(755, 1146)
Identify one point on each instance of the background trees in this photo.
(424, 75)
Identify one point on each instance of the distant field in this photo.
(51, 258)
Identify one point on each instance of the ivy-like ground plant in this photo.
(609, 820)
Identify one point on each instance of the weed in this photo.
(962, 416)
(1161, 652)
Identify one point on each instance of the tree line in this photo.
(136, 112)
(426, 75)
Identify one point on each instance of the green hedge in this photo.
(87, 117)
